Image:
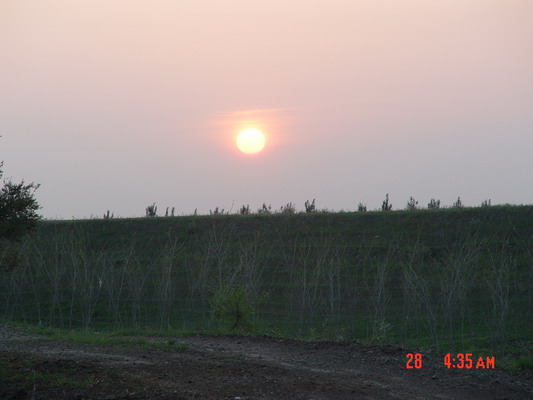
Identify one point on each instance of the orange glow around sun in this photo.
(251, 141)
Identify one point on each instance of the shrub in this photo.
(216, 211)
(288, 209)
(433, 204)
(151, 211)
(232, 308)
(485, 203)
(264, 209)
(310, 207)
(361, 207)
(245, 210)
(386, 206)
(458, 203)
(411, 204)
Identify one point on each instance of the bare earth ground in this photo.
(239, 368)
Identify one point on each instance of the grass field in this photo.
(445, 280)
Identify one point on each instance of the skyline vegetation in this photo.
(310, 207)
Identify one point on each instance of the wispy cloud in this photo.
(253, 112)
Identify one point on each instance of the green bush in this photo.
(433, 204)
(233, 308)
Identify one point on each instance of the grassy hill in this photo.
(447, 279)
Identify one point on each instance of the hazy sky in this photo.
(115, 105)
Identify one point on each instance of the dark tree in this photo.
(151, 211)
(411, 204)
(18, 217)
(18, 209)
(386, 206)
(310, 207)
(433, 204)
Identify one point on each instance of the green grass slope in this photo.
(442, 279)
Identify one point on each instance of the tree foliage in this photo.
(433, 204)
(310, 207)
(412, 204)
(386, 206)
(151, 211)
(458, 203)
(18, 209)
(233, 308)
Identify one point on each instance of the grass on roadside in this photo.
(522, 363)
(31, 372)
(128, 339)
(518, 356)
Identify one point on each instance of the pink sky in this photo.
(115, 105)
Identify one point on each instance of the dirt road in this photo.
(241, 368)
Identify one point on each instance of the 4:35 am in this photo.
(468, 361)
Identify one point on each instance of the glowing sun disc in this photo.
(251, 141)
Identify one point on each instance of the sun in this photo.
(251, 141)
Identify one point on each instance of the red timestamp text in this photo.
(457, 361)
(468, 361)
(414, 361)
